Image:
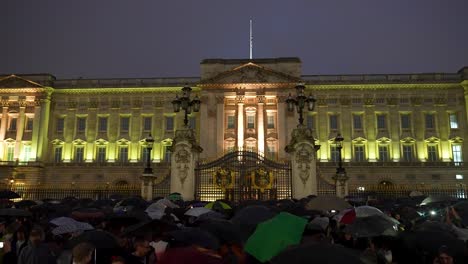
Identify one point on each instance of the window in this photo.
(405, 121)
(13, 123)
(383, 153)
(81, 124)
(101, 154)
(310, 122)
(167, 154)
(453, 121)
(79, 154)
(250, 121)
(359, 153)
(123, 154)
(169, 123)
(270, 121)
(10, 152)
(335, 154)
(457, 154)
(459, 177)
(432, 153)
(147, 123)
(381, 121)
(333, 122)
(26, 153)
(271, 150)
(124, 124)
(407, 153)
(230, 145)
(60, 124)
(357, 122)
(250, 145)
(29, 124)
(192, 122)
(429, 121)
(231, 119)
(102, 127)
(58, 154)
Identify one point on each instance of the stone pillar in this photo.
(341, 184)
(260, 125)
(240, 122)
(303, 161)
(184, 158)
(147, 184)
(44, 128)
(282, 127)
(3, 126)
(20, 128)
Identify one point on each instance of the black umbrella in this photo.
(434, 226)
(374, 225)
(100, 239)
(14, 212)
(7, 194)
(224, 230)
(317, 253)
(25, 203)
(432, 199)
(149, 227)
(248, 217)
(195, 236)
(425, 244)
(462, 211)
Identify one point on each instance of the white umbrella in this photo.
(63, 221)
(365, 210)
(72, 228)
(161, 205)
(197, 211)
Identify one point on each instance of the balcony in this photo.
(393, 164)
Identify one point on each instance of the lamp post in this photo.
(186, 103)
(149, 146)
(300, 102)
(340, 176)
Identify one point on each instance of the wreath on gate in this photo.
(262, 179)
(224, 179)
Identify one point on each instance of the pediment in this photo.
(14, 81)
(250, 73)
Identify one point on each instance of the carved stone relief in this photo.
(303, 159)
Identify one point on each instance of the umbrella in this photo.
(434, 226)
(197, 211)
(423, 243)
(149, 227)
(87, 213)
(274, 235)
(14, 212)
(161, 204)
(175, 197)
(462, 210)
(72, 228)
(62, 221)
(438, 199)
(190, 255)
(374, 225)
(327, 203)
(127, 219)
(25, 203)
(211, 215)
(137, 202)
(195, 236)
(7, 194)
(416, 194)
(224, 230)
(100, 239)
(248, 217)
(408, 213)
(347, 216)
(218, 205)
(320, 253)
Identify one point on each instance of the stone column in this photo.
(282, 127)
(4, 123)
(260, 125)
(341, 184)
(44, 128)
(35, 133)
(303, 161)
(147, 184)
(220, 124)
(185, 154)
(20, 128)
(240, 122)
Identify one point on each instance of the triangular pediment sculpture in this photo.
(13, 81)
(250, 73)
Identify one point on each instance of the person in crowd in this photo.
(118, 260)
(83, 253)
(36, 252)
(443, 256)
(142, 252)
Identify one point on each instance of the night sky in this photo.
(151, 38)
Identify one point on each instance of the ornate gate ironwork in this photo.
(242, 175)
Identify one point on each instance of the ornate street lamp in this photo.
(300, 101)
(186, 103)
(149, 146)
(340, 176)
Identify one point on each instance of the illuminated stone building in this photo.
(397, 128)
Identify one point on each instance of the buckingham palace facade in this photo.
(397, 128)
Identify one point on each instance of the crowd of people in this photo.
(170, 230)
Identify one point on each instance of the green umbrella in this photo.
(274, 235)
(224, 205)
